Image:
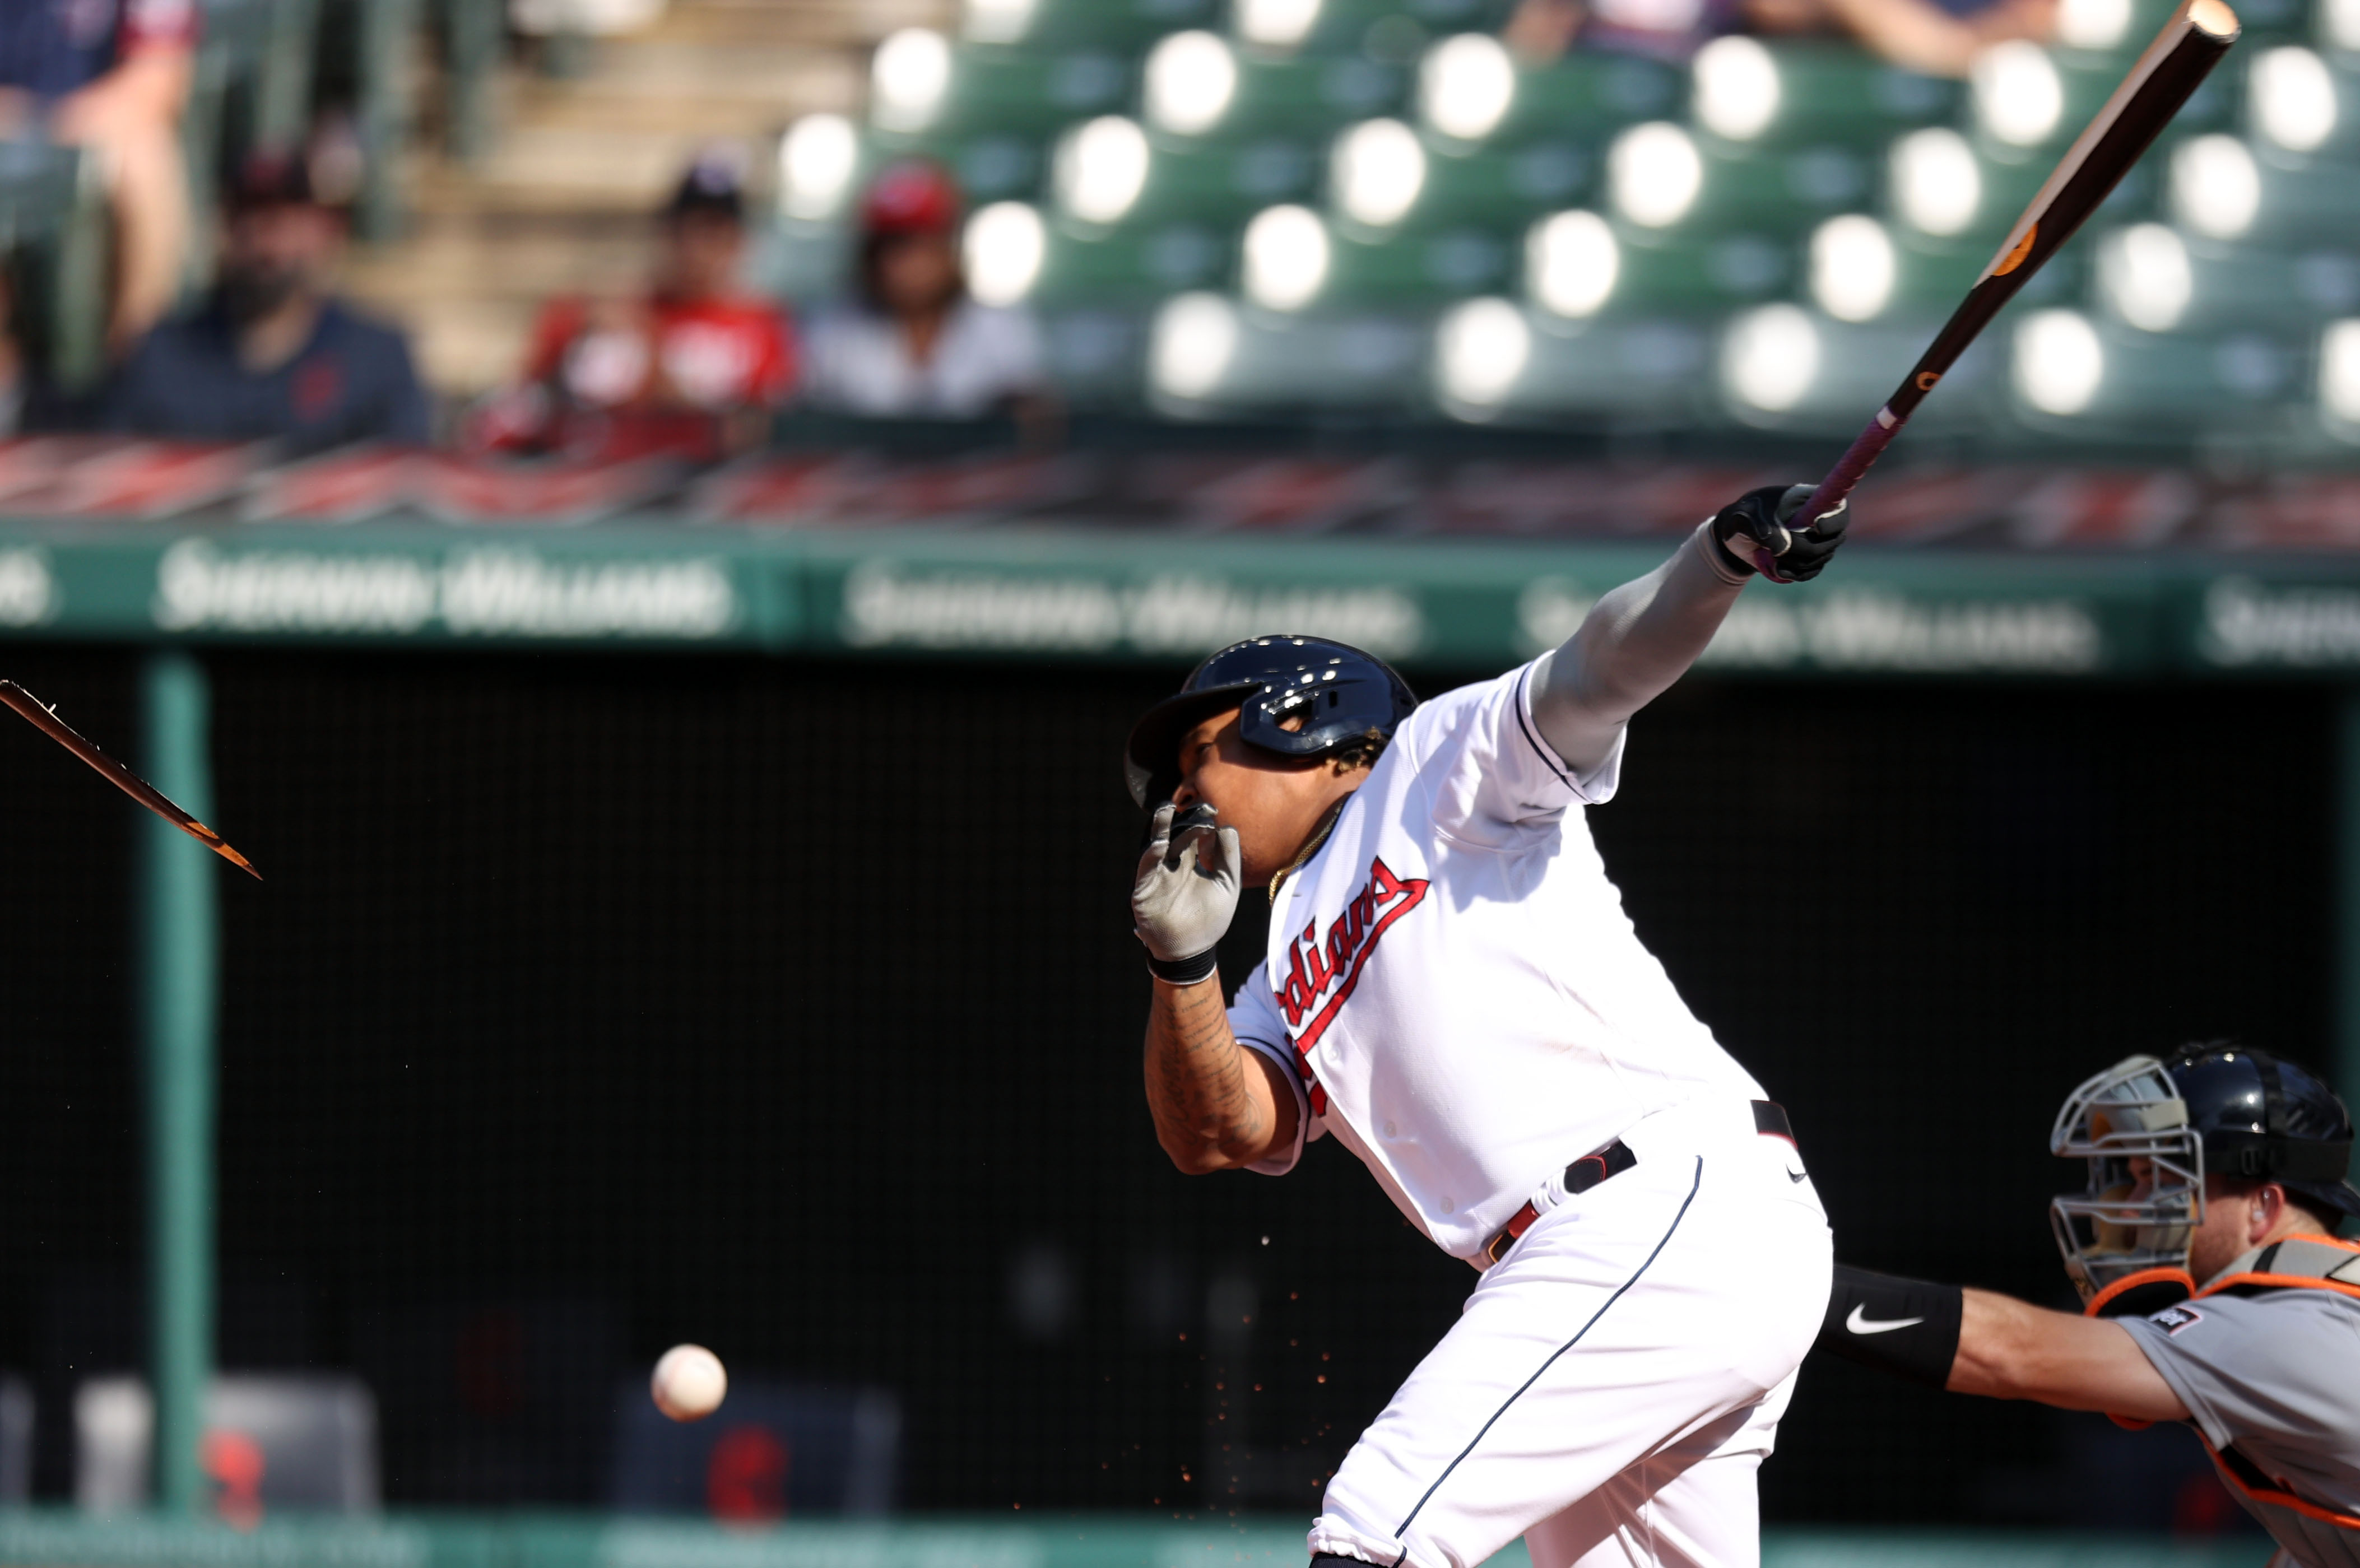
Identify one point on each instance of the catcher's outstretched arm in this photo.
(2013, 1350)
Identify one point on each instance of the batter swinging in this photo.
(1453, 991)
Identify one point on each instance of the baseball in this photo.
(689, 1383)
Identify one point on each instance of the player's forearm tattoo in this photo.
(1197, 1087)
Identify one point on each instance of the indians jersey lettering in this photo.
(1322, 970)
(1451, 982)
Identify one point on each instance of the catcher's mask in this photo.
(2218, 1108)
(2131, 1111)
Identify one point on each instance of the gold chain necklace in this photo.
(1310, 847)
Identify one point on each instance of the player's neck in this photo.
(1318, 836)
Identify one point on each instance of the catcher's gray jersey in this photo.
(2272, 1381)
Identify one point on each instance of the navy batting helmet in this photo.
(1336, 693)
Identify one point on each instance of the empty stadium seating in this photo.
(1272, 192)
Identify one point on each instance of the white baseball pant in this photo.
(1614, 1382)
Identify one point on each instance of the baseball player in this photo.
(2215, 1290)
(1452, 991)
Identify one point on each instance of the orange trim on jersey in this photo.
(2277, 1495)
(2291, 1281)
(2097, 1304)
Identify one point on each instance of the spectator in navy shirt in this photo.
(273, 354)
(111, 76)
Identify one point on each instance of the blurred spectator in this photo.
(111, 76)
(1541, 30)
(1937, 38)
(693, 368)
(273, 354)
(915, 345)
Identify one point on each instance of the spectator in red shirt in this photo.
(691, 369)
(111, 76)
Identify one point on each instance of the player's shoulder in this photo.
(1441, 714)
(2288, 1320)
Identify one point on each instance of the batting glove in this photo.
(1185, 893)
(1753, 533)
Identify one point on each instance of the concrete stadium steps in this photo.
(560, 203)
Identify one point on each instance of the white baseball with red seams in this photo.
(689, 1383)
(1459, 999)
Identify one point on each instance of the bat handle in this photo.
(1856, 461)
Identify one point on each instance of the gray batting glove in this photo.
(1185, 893)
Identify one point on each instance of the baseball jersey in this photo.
(1452, 984)
(2272, 1381)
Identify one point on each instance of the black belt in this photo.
(1769, 1120)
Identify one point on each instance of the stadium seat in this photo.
(38, 186)
(1198, 84)
(1126, 27)
(15, 1441)
(1384, 178)
(1110, 172)
(2224, 189)
(1783, 94)
(772, 1450)
(1785, 368)
(1857, 269)
(1496, 360)
(1352, 27)
(1470, 89)
(921, 84)
(2030, 102)
(1579, 266)
(2111, 29)
(1133, 264)
(2300, 102)
(1943, 187)
(1662, 176)
(2074, 375)
(234, 52)
(57, 217)
(1097, 355)
(2156, 278)
(271, 1442)
(1212, 355)
(1421, 269)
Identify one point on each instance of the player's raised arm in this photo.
(1217, 1105)
(1640, 637)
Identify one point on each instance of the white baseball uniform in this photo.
(1456, 993)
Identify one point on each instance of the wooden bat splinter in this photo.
(121, 777)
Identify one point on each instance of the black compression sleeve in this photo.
(1906, 1327)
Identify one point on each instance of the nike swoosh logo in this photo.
(1794, 1175)
(1859, 1323)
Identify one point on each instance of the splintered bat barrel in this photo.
(47, 721)
(2182, 55)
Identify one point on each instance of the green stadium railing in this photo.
(1061, 594)
(551, 1541)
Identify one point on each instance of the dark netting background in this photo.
(593, 1004)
